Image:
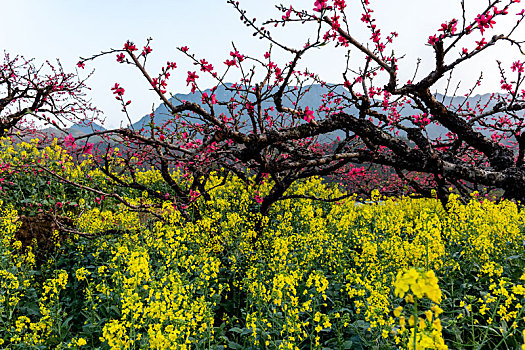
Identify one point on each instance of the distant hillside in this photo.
(312, 99)
(86, 128)
(76, 130)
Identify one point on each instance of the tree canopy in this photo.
(369, 127)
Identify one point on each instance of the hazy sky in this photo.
(68, 29)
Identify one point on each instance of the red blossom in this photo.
(205, 66)
(81, 64)
(237, 55)
(517, 66)
(184, 49)
(506, 86)
(505, 11)
(423, 120)
(320, 5)
(366, 18)
(481, 43)
(484, 21)
(191, 78)
(230, 63)
(146, 50)
(129, 46)
(88, 148)
(449, 27)
(287, 14)
(117, 90)
(69, 141)
(376, 36)
(432, 40)
(308, 115)
(120, 57)
(340, 4)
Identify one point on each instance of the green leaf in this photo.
(348, 344)
(236, 330)
(233, 345)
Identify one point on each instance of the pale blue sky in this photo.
(67, 29)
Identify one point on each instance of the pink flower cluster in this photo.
(422, 120)
(287, 14)
(147, 50)
(120, 57)
(308, 115)
(517, 66)
(205, 66)
(118, 91)
(191, 77)
(484, 21)
(69, 142)
(129, 46)
(320, 5)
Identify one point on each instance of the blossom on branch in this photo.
(147, 50)
(481, 44)
(517, 66)
(320, 5)
(118, 91)
(432, 40)
(484, 21)
(129, 46)
(88, 148)
(191, 77)
(237, 55)
(230, 63)
(69, 142)
(308, 115)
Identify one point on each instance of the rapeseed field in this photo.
(394, 273)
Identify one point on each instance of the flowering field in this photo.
(396, 273)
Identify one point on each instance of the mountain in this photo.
(76, 130)
(312, 99)
(86, 128)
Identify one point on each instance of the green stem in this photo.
(415, 323)
(518, 316)
(492, 317)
